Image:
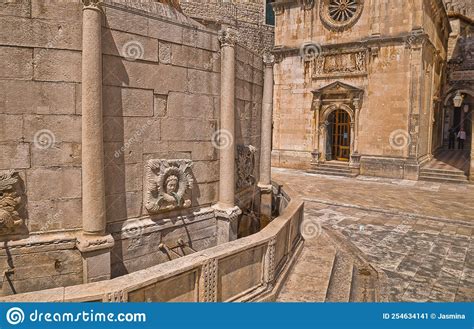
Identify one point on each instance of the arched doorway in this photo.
(339, 136)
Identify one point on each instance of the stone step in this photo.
(340, 285)
(332, 172)
(336, 165)
(442, 171)
(443, 178)
(309, 279)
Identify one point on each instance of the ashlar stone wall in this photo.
(161, 89)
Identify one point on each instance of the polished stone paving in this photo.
(418, 233)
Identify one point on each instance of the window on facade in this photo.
(342, 10)
(269, 14)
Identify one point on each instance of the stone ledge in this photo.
(263, 283)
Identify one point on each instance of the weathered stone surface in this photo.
(12, 127)
(125, 21)
(70, 10)
(161, 78)
(26, 32)
(190, 106)
(53, 184)
(123, 205)
(44, 97)
(16, 8)
(202, 82)
(194, 58)
(54, 128)
(165, 31)
(200, 39)
(191, 129)
(127, 102)
(164, 52)
(160, 105)
(15, 156)
(16, 63)
(60, 154)
(57, 65)
(130, 46)
(53, 215)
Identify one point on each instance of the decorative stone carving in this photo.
(340, 14)
(10, 202)
(306, 4)
(168, 185)
(414, 127)
(210, 280)
(228, 37)
(341, 64)
(278, 8)
(245, 167)
(116, 297)
(268, 59)
(93, 4)
(270, 258)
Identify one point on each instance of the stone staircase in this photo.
(333, 168)
(330, 269)
(443, 175)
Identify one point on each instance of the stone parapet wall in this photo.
(209, 276)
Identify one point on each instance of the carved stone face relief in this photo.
(245, 167)
(340, 14)
(10, 202)
(168, 185)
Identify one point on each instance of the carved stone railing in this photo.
(249, 269)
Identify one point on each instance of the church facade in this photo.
(359, 85)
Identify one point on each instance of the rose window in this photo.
(342, 10)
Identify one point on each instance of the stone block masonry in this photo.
(160, 100)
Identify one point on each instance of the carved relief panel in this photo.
(245, 166)
(341, 64)
(168, 185)
(11, 203)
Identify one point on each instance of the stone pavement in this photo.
(418, 233)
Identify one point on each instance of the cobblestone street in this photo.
(418, 233)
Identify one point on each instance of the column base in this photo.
(95, 251)
(316, 155)
(227, 223)
(411, 169)
(265, 204)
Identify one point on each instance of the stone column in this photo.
(265, 182)
(315, 107)
(227, 212)
(93, 243)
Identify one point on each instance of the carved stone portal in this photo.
(245, 167)
(10, 202)
(168, 185)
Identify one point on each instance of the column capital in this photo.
(268, 59)
(228, 37)
(93, 4)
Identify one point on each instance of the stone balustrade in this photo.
(248, 269)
